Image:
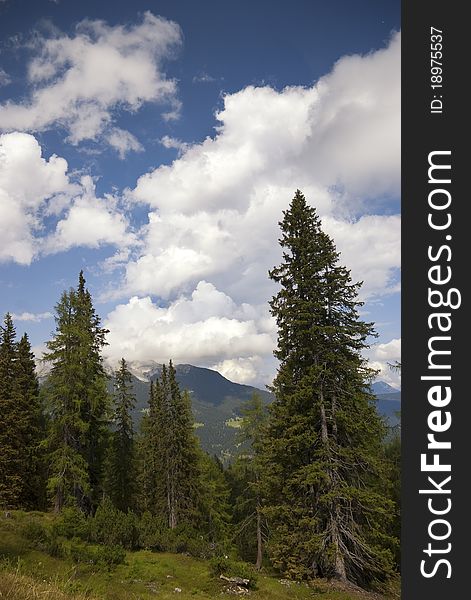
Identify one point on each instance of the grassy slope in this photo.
(26, 574)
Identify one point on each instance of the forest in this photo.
(312, 496)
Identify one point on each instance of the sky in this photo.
(155, 144)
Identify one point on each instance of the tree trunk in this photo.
(258, 564)
(339, 561)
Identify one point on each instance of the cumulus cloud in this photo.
(218, 204)
(22, 198)
(381, 356)
(78, 82)
(33, 188)
(90, 221)
(204, 328)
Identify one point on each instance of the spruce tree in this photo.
(181, 453)
(214, 509)
(170, 455)
(121, 464)
(78, 402)
(151, 447)
(11, 456)
(323, 442)
(32, 428)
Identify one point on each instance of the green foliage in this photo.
(121, 464)
(72, 523)
(223, 565)
(113, 527)
(105, 557)
(77, 402)
(322, 451)
(21, 484)
(170, 455)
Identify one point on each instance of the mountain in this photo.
(381, 387)
(217, 402)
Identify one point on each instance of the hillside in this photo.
(217, 402)
(28, 572)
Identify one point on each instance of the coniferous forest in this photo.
(312, 494)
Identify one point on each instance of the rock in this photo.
(236, 580)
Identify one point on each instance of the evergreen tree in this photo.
(170, 456)
(11, 457)
(151, 447)
(323, 444)
(121, 464)
(32, 426)
(214, 504)
(77, 402)
(246, 477)
(180, 466)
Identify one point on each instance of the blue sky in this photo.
(155, 144)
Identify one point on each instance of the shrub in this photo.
(151, 532)
(110, 556)
(112, 527)
(54, 546)
(35, 532)
(102, 557)
(72, 523)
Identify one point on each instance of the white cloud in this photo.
(202, 329)
(381, 356)
(219, 203)
(123, 142)
(78, 82)
(22, 198)
(33, 188)
(33, 317)
(170, 142)
(90, 221)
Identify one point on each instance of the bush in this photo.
(110, 556)
(112, 527)
(151, 533)
(35, 532)
(72, 523)
(54, 546)
(102, 557)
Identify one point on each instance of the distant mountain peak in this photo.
(381, 387)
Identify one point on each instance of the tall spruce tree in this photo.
(20, 422)
(32, 429)
(170, 456)
(78, 402)
(11, 456)
(323, 442)
(121, 479)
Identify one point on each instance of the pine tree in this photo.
(323, 442)
(11, 458)
(121, 464)
(78, 402)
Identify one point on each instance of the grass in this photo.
(27, 574)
